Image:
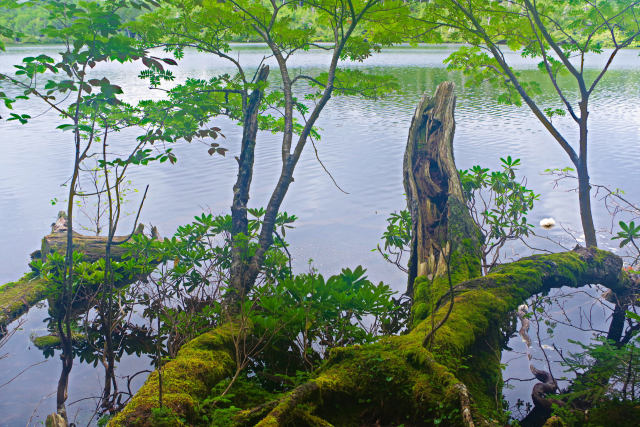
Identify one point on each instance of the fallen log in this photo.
(17, 297)
(452, 379)
(91, 247)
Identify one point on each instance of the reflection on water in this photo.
(567, 313)
(362, 145)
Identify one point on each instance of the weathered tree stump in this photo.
(444, 236)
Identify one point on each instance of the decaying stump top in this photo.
(439, 215)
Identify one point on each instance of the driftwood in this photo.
(17, 297)
(454, 378)
(92, 247)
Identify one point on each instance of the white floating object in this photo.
(547, 223)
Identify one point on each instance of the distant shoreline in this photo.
(10, 45)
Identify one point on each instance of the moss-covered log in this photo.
(17, 297)
(396, 380)
(455, 378)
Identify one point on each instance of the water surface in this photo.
(362, 145)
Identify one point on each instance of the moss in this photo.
(243, 404)
(17, 297)
(45, 342)
(187, 380)
(395, 381)
(614, 413)
(604, 413)
(464, 240)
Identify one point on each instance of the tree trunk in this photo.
(239, 227)
(584, 187)
(67, 365)
(584, 199)
(443, 231)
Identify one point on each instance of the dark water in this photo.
(362, 145)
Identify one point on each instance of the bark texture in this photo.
(92, 247)
(444, 236)
(430, 180)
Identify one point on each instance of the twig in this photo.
(24, 370)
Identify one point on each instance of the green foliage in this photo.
(17, 19)
(629, 233)
(480, 67)
(560, 35)
(219, 410)
(212, 26)
(498, 203)
(189, 273)
(164, 417)
(397, 239)
(606, 378)
(92, 32)
(356, 83)
(208, 240)
(25, 21)
(539, 30)
(320, 314)
(103, 421)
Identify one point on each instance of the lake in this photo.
(362, 145)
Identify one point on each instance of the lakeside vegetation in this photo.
(235, 335)
(28, 24)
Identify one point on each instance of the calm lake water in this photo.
(362, 145)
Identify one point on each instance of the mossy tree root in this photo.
(187, 380)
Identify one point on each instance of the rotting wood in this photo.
(433, 190)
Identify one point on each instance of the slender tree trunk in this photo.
(584, 187)
(584, 198)
(289, 162)
(616, 327)
(67, 296)
(239, 227)
(67, 365)
(107, 325)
